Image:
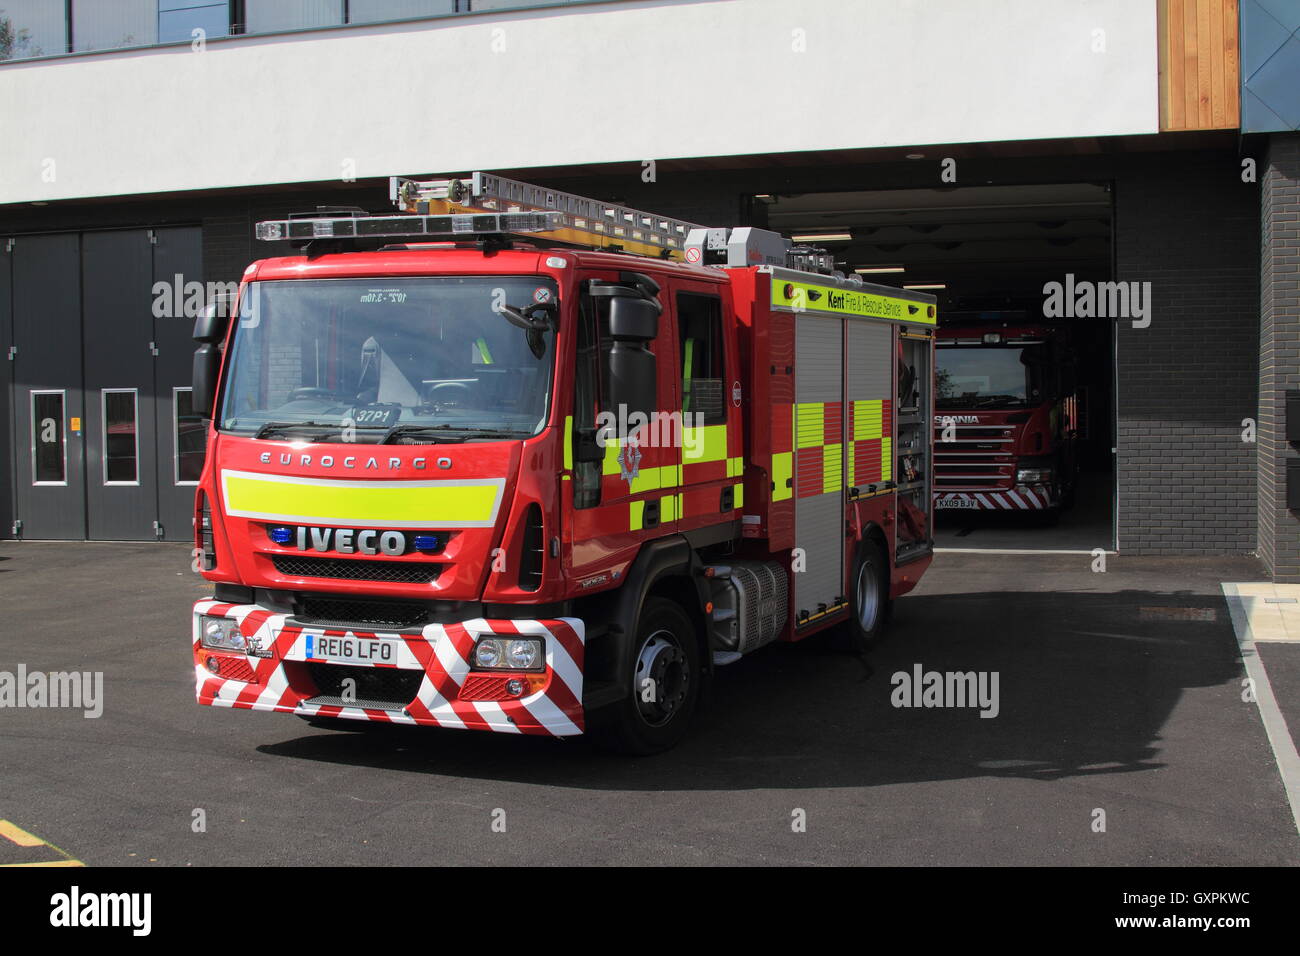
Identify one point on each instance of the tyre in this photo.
(869, 600)
(665, 680)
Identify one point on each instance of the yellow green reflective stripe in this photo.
(810, 425)
(868, 419)
(832, 465)
(739, 496)
(782, 471)
(735, 467)
(482, 346)
(886, 459)
(688, 361)
(568, 443)
(470, 503)
(670, 507)
(704, 444)
(812, 297)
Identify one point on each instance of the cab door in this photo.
(622, 491)
(711, 450)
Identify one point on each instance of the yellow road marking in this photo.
(18, 835)
(48, 863)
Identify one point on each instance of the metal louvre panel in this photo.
(819, 524)
(764, 605)
(819, 518)
(870, 360)
(818, 354)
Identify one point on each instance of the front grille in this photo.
(334, 612)
(382, 688)
(396, 572)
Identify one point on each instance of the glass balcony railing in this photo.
(42, 28)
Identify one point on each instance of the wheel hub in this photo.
(662, 678)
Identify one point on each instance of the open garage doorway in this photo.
(1024, 439)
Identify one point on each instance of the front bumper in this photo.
(432, 666)
(1019, 498)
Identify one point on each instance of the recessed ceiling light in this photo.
(876, 270)
(927, 286)
(916, 155)
(823, 237)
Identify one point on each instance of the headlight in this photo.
(1033, 476)
(489, 653)
(222, 633)
(524, 655)
(509, 653)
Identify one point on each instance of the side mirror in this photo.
(633, 323)
(212, 322)
(633, 319)
(207, 366)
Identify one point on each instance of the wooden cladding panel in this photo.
(1200, 76)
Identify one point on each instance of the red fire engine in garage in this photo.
(1006, 422)
(515, 460)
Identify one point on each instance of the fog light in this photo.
(515, 687)
(213, 665)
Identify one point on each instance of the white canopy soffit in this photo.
(612, 82)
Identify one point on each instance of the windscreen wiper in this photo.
(445, 433)
(270, 427)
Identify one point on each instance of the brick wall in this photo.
(1279, 359)
(1190, 227)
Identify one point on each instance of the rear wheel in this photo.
(665, 683)
(870, 599)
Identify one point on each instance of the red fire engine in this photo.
(1006, 421)
(516, 460)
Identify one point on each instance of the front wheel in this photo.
(665, 684)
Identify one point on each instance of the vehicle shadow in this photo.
(1086, 682)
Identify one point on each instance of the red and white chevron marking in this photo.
(1021, 498)
(441, 652)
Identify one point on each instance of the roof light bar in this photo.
(455, 226)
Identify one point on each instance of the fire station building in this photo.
(1128, 170)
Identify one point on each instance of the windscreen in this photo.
(409, 359)
(974, 377)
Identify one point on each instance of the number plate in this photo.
(350, 649)
(970, 503)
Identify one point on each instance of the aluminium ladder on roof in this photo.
(586, 221)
